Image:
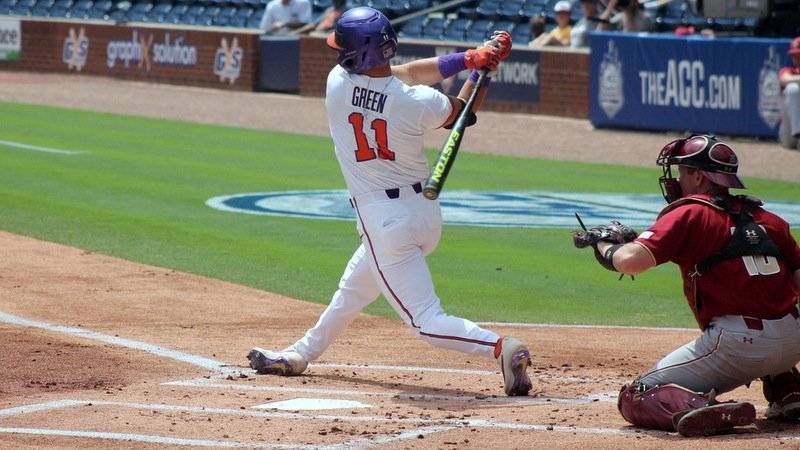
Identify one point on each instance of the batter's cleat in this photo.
(286, 363)
(786, 409)
(714, 419)
(514, 359)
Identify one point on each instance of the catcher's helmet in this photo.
(364, 38)
(714, 158)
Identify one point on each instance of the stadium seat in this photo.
(41, 8)
(479, 30)
(512, 10)
(175, 13)
(99, 10)
(434, 27)
(139, 11)
(80, 10)
(413, 28)
(255, 19)
(504, 25)
(159, 12)
(241, 16)
(208, 15)
(416, 5)
(488, 9)
(60, 8)
(192, 14)
(521, 34)
(455, 29)
(23, 7)
(398, 8)
(6, 6)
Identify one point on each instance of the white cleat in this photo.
(514, 360)
(286, 363)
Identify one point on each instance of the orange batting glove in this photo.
(485, 56)
(502, 41)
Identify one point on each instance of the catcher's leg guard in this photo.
(783, 393)
(654, 407)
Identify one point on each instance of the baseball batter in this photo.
(741, 276)
(378, 114)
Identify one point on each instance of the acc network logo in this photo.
(76, 49)
(769, 90)
(228, 61)
(482, 208)
(610, 94)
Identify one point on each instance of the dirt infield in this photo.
(102, 353)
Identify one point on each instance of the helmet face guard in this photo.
(715, 159)
(364, 38)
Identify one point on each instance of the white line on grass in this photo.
(593, 327)
(36, 148)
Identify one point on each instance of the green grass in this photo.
(139, 193)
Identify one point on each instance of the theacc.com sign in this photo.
(10, 40)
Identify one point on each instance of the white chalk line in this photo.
(210, 383)
(199, 361)
(36, 148)
(429, 425)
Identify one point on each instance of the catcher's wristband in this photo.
(607, 259)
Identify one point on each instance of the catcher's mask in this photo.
(364, 38)
(714, 158)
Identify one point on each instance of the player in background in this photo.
(789, 78)
(742, 287)
(378, 114)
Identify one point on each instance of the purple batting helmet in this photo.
(714, 158)
(364, 38)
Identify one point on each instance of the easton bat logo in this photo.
(447, 152)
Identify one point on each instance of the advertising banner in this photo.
(719, 85)
(517, 79)
(10, 40)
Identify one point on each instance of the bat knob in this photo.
(430, 194)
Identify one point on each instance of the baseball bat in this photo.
(447, 155)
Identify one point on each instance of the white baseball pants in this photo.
(790, 117)
(396, 234)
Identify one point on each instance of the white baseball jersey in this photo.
(295, 11)
(377, 125)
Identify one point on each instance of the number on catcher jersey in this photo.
(364, 152)
(761, 265)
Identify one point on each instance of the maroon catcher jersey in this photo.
(755, 286)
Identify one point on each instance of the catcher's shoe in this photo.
(285, 363)
(714, 419)
(514, 359)
(786, 409)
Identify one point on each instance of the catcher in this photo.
(741, 276)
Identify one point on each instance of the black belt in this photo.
(395, 192)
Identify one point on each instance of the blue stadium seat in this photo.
(479, 30)
(521, 34)
(434, 27)
(192, 15)
(223, 17)
(416, 5)
(60, 8)
(241, 16)
(208, 15)
(456, 29)
(158, 13)
(504, 25)
(99, 9)
(488, 9)
(6, 6)
(512, 10)
(399, 8)
(80, 10)
(23, 7)
(41, 8)
(413, 28)
(255, 19)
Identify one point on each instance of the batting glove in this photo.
(482, 57)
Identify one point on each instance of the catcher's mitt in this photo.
(615, 233)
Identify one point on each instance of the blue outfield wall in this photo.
(718, 85)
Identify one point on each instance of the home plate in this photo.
(297, 404)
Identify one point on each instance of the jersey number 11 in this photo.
(364, 151)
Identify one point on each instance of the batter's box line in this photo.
(426, 424)
(213, 384)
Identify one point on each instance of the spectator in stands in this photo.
(579, 37)
(331, 15)
(283, 16)
(538, 25)
(789, 78)
(560, 34)
(630, 17)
